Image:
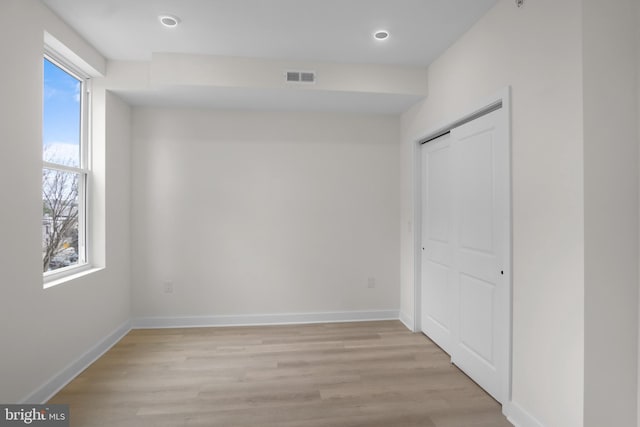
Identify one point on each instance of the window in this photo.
(65, 171)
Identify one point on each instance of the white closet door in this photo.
(465, 296)
(481, 174)
(438, 271)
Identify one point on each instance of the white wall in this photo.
(638, 128)
(611, 212)
(170, 69)
(44, 330)
(536, 50)
(264, 213)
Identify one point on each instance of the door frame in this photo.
(501, 103)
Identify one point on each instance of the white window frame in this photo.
(84, 171)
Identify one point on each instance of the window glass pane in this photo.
(59, 219)
(61, 116)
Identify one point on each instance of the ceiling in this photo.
(319, 30)
(301, 30)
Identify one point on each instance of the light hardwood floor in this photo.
(368, 374)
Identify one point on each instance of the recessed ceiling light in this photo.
(381, 35)
(169, 21)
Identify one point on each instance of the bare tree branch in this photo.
(60, 214)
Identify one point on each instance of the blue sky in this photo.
(61, 122)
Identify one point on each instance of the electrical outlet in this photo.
(371, 282)
(167, 287)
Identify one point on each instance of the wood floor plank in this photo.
(365, 374)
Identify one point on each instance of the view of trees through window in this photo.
(62, 173)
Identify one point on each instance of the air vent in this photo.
(307, 77)
(301, 76)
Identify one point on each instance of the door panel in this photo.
(439, 193)
(476, 317)
(475, 181)
(437, 252)
(480, 250)
(437, 279)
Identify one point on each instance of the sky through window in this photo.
(62, 111)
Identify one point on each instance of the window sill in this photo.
(59, 278)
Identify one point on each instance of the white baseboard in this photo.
(66, 375)
(407, 321)
(519, 417)
(262, 319)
